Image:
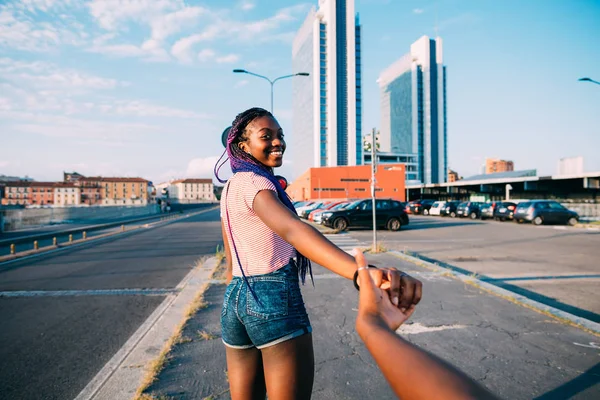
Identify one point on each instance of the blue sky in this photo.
(144, 87)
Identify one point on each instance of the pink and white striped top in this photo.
(260, 249)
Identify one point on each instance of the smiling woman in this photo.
(265, 327)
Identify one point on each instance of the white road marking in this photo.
(99, 292)
(592, 345)
(416, 328)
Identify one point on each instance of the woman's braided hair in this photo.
(241, 161)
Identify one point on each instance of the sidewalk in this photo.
(514, 351)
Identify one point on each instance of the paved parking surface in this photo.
(556, 265)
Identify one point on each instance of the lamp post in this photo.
(588, 80)
(272, 82)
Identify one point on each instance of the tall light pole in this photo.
(588, 80)
(272, 82)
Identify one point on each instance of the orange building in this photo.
(493, 165)
(349, 183)
(42, 193)
(91, 190)
(124, 191)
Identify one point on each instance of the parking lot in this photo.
(556, 265)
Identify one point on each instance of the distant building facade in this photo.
(17, 193)
(494, 165)
(413, 109)
(327, 119)
(124, 191)
(42, 193)
(191, 190)
(570, 166)
(66, 194)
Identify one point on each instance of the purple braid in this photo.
(241, 161)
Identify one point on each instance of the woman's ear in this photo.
(244, 147)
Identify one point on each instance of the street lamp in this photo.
(272, 82)
(589, 80)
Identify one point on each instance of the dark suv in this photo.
(389, 214)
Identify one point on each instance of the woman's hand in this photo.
(377, 287)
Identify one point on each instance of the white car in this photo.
(436, 208)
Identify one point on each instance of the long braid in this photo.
(241, 161)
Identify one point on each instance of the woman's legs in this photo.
(290, 368)
(245, 373)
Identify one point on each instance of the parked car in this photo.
(389, 214)
(436, 208)
(504, 211)
(449, 209)
(420, 206)
(329, 206)
(307, 210)
(545, 211)
(318, 216)
(468, 209)
(487, 210)
(302, 206)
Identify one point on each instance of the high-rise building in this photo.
(570, 166)
(413, 109)
(327, 122)
(493, 165)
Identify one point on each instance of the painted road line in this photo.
(97, 292)
(562, 316)
(122, 375)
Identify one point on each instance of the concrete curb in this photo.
(120, 378)
(562, 316)
(79, 242)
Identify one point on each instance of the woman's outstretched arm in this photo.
(405, 291)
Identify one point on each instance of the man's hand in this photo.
(375, 305)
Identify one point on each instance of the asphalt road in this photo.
(51, 346)
(556, 265)
(58, 231)
(513, 351)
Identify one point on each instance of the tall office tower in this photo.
(327, 107)
(413, 109)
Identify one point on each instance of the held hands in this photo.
(386, 295)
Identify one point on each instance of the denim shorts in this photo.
(277, 316)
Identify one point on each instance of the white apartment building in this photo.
(190, 190)
(66, 194)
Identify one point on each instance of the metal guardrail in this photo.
(91, 228)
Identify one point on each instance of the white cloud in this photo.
(19, 31)
(418, 11)
(110, 14)
(247, 5)
(43, 75)
(203, 167)
(4, 164)
(206, 55)
(169, 24)
(230, 58)
(182, 49)
(143, 109)
(241, 83)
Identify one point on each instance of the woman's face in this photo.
(264, 141)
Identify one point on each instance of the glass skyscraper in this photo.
(327, 122)
(413, 109)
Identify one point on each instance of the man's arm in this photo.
(413, 373)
